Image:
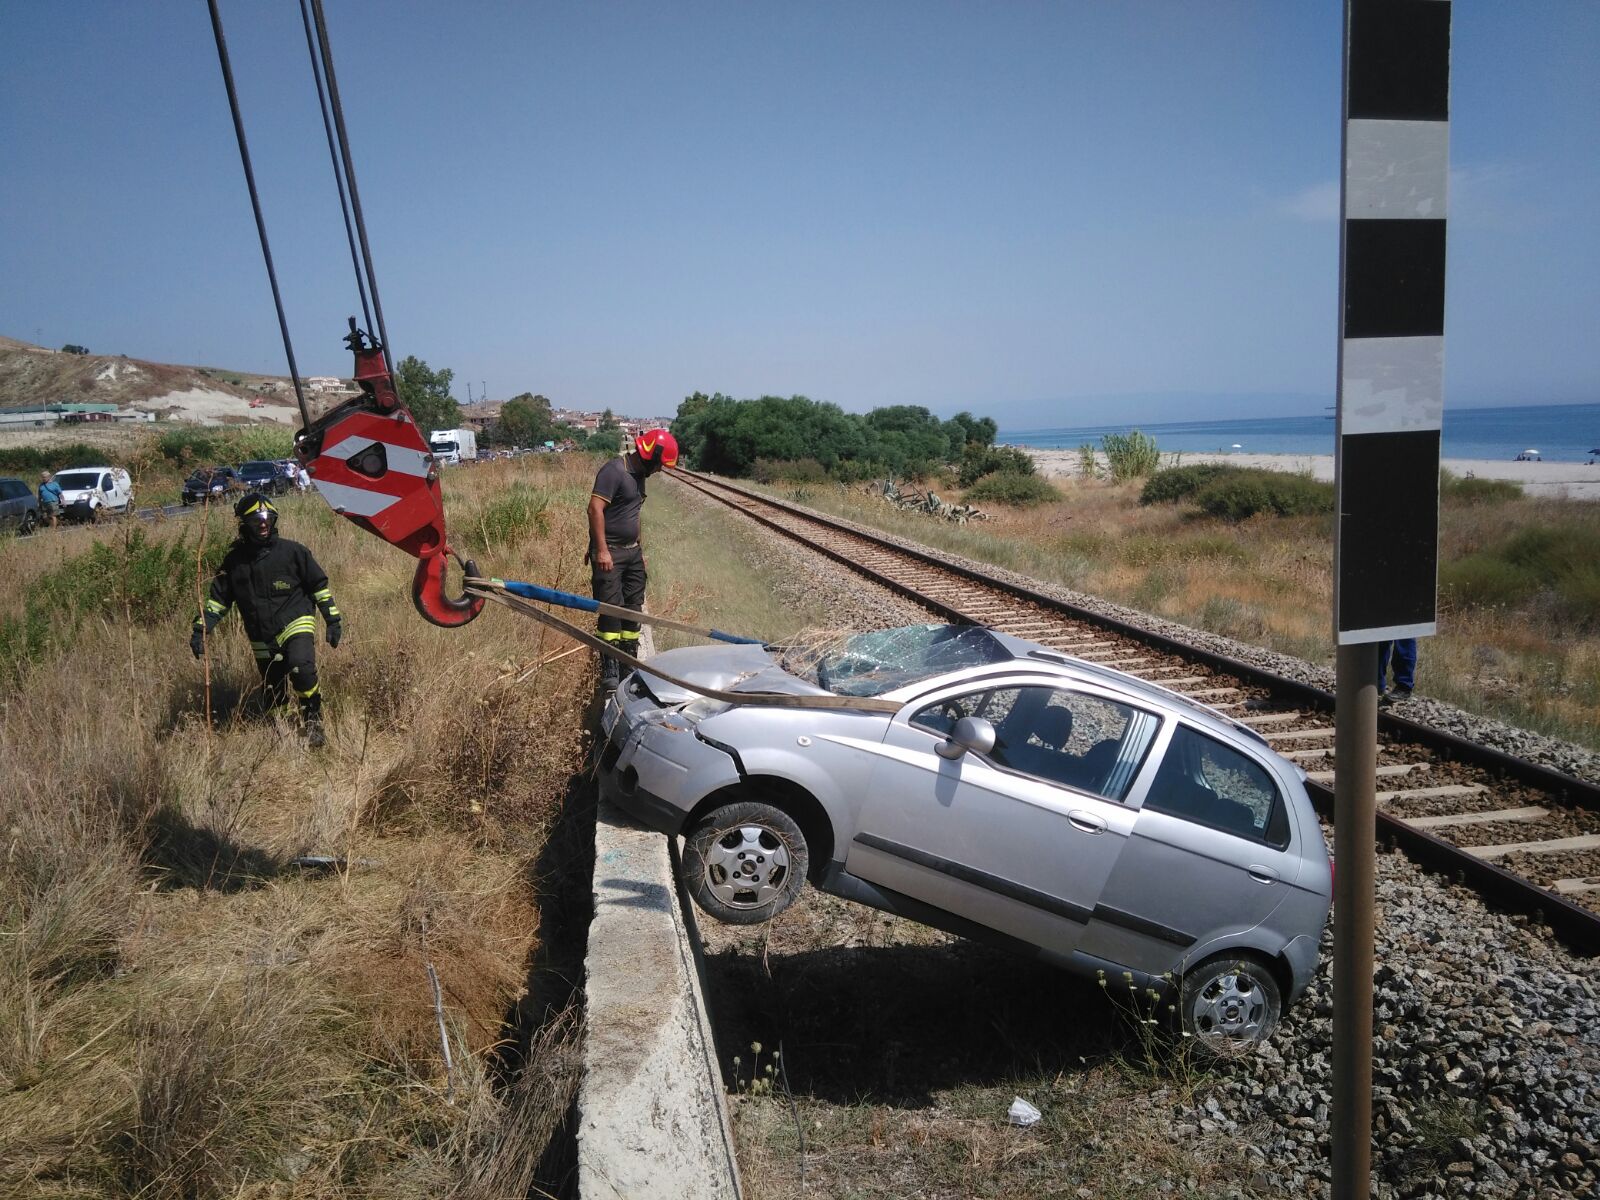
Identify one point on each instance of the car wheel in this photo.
(745, 863)
(29, 523)
(1230, 1003)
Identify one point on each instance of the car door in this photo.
(1209, 855)
(1019, 839)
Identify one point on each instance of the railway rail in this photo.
(1524, 836)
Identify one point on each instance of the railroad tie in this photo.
(1444, 789)
(1277, 718)
(1584, 841)
(1216, 691)
(1532, 813)
(1291, 735)
(1382, 771)
(1576, 887)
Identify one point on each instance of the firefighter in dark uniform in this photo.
(615, 554)
(277, 585)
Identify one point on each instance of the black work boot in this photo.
(610, 674)
(311, 713)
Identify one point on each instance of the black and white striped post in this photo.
(1391, 405)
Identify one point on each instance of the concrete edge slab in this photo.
(652, 1117)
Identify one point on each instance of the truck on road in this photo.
(453, 446)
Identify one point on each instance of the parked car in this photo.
(89, 492)
(263, 475)
(1015, 794)
(19, 507)
(211, 483)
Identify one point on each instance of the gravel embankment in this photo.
(1486, 1033)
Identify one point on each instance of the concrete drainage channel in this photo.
(652, 1116)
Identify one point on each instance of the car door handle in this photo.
(1262, 874)
(1086, 822)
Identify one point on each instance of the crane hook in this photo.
(427, 591)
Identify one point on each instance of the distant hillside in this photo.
(207, 395)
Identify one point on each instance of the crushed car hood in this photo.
(724, 669)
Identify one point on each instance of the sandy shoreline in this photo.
(1557, 480)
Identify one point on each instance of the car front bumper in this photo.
(653, 765)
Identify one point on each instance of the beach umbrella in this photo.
(1530, 452)
(1237, 446)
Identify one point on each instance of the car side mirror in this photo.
(970, 733)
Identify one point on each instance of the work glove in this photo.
(197, 642)
(335, 632)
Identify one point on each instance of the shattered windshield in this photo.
(870, 664)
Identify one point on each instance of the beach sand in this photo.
(1556, 480)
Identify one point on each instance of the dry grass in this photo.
(182, 1011)
(1268, 581)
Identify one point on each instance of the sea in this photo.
(1557, 432)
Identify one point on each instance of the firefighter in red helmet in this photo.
(616, 555)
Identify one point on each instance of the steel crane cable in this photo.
(255, 204)
(338, 172)
(349, 175)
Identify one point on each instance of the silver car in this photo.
(1005, 792)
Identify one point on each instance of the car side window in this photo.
(1205, 781)
(941, 718)
(1063, 737)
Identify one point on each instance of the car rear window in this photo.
(1205, 781)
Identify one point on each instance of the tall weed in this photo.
(1130, 455)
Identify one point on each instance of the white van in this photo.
(86, 492)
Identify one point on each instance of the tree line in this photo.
(730, 437)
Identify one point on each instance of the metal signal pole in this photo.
(1391, 407)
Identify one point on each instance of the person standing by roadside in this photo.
(1401, 657)
(616, 554)
(49, 499)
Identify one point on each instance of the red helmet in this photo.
(657, 446)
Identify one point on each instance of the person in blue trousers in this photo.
(1401, 657)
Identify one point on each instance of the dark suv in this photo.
(263, 476)
(19, 507)
(211, 483)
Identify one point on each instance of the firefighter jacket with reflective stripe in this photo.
(277, 586)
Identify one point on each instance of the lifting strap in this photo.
(499, 592)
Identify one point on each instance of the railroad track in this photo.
(1524, 836)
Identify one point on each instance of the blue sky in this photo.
(1053, 214)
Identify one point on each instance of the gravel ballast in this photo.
(1486, 1031)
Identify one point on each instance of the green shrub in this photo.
(1178, 483)
(204, 446)
(978, 461)
(1130, 455)
(1457, 490)
(1242, 494)
(135, 576)
(1556, 564)
(16, 460)
(802, 470)
(1485, 581)
(511, 519)
(1088, 461)
(1020, 491)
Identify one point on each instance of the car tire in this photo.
(28, 524)
(1230, 1003)
(745, 863)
